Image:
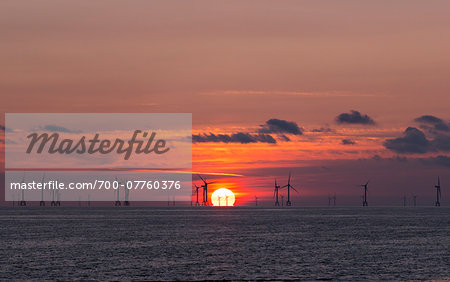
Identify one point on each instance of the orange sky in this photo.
(237, 64)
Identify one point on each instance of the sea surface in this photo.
(235, 243)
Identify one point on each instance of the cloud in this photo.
(441, 142)
(439, 160)
(396, 158)
(7, 141)
(413, 141)
(442, 160)
(285, 138)
(429, 119)
(5, 129)
(354, 117)
(282, 128)
(275, 125)
(436, 123)
(56, 128)
(295, 93)
(322, 129)
(240, 137)
(348, 142)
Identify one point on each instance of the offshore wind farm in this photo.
(220, 196)
(226, 140)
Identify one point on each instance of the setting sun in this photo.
(222, 197)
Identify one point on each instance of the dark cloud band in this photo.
(281, 126)
(432, 123)
(414, 141)
(354, 117)
(240, 137)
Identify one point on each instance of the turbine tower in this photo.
(289, 187)
(331, 199)
(256, 201)
(22, 201)
(53, 203)
(365, 204)
(58, 198)
(196, 191)
(127, 195)
(205, 190)
(42, 202)
(117, 202)
(275, 193)
(438, 193)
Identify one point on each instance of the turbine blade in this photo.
(201, 178)
(294, 189)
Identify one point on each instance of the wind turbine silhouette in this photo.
(289, 187)
(226, 200)
(331, 198)
(218, 199)
(53, 202)
(58, 198)
(42, 202)
(256, 201)
(438, 193)
(365, 204)
(22, 201)
(117, 202)
(275, 193)
(415, 199)
(196, 191)
(205, 190)
(127, 195)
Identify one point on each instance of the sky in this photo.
(351, 76)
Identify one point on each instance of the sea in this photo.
(225, 243)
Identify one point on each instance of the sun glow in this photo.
(222, 197)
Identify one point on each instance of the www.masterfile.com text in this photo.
(97, 185)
